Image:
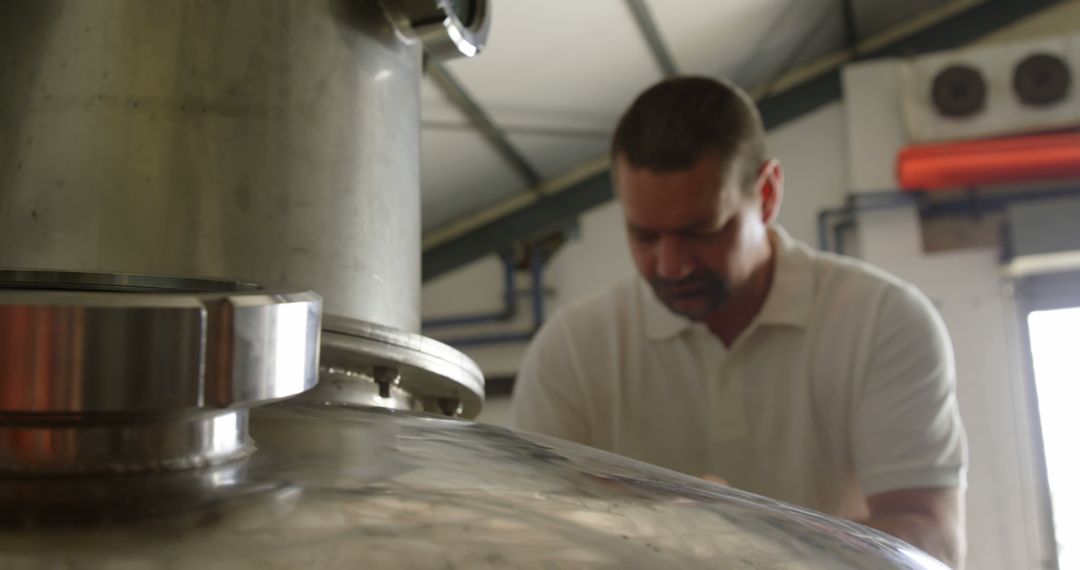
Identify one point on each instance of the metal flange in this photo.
(372, 364)
(121, 373)
(446, 28)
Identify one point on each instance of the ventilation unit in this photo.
(993, 90)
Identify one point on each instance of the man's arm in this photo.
(908, 441)
(931, 519)
(548, 396)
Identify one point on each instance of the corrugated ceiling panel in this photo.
(873, 16)
(459, 171)
(559, 56)
(748, 40)
(556, 74)
(554, 155)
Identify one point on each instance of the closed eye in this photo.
(710, 232)
(643, 236)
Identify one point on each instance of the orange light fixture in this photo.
(986, 162)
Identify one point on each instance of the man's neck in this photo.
(731, 320)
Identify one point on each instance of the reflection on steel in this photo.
(97, 376)
(75, 281)
(366, 363)
(446, 28)
(98, 443)
(277, 143)
(269, 142)
(337, 486)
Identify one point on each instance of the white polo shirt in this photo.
(842, 387)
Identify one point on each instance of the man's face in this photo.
(695, 235)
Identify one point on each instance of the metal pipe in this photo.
(824, 216)
(851, 26)
(971, 204)
(507, 313)
(536, 271)
(527, 130)
(838, 235)
(226, 162)
(859, 203)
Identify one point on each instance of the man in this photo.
(743, 355)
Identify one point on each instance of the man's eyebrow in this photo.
(702, 224)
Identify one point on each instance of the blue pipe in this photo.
(823, 219)
(896, 198)
(536, 270)
(507, 313)
(855, 203)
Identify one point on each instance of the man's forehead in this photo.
(676, 207)
(707, 181)
(711, 172)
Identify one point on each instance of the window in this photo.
(1055, 351)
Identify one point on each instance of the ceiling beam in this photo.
(651, 32)
(851, 26)
(813, 87)
(482, 122)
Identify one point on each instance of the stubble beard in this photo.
(695, 297)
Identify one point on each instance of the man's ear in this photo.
(772, 189)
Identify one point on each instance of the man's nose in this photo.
(673, 260)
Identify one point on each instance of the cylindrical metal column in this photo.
(265, 141)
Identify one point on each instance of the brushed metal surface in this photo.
(268, 141)
(340, 486)
(126, 373)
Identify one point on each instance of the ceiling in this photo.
(557, 74)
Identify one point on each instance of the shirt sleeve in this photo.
(548, 396)
(907, 431)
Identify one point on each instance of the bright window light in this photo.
(1055, 349)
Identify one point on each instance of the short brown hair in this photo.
(677, 121)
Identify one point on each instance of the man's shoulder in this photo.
(855, 279)
(851, 291)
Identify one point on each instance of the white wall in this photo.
(1005, 525)
(966, 287)
(474, 289)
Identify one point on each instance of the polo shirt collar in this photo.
(788, 302)
(791, 297)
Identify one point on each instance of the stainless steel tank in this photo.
(263, 141)
(124, 443)
(254, 150)
(274, 142)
